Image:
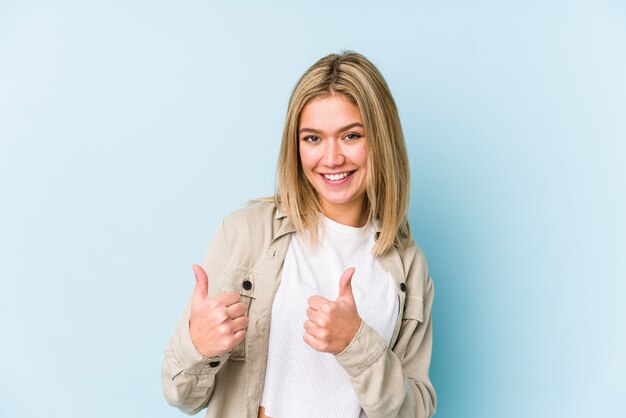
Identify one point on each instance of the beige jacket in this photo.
(246, 255)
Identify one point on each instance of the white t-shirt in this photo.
(300, 381)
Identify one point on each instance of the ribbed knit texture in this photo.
(300, 381)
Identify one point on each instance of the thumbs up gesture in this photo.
(218, 324)
(333, 324)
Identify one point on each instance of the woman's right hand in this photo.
(217, 324)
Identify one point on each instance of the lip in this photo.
(337, 182)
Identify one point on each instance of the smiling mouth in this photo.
(337, 176)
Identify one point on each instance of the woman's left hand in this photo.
(333, 324)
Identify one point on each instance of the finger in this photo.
(345, 285)
(238, 337)
(318, 317)
(310, 340)
(316, 302)
(234, 340)
(309, 326)
(313, 342)
(227, 299)
(316, 331)
(201, 291)
(236, 310)
(239, 324)
(219, 315)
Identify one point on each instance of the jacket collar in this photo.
(285, 226)
(391, 261)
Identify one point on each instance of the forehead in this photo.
(331, 110)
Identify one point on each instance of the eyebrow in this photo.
(345, 128)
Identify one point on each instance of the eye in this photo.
(311, 138)
(352, 136)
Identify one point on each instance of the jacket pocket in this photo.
(413, 308)
(242, 280)
(412, 316)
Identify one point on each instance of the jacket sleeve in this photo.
(187, 377)
(395, 383)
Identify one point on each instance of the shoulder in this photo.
(257, 221)
(415, 265)
(255, 211)
(413, 256)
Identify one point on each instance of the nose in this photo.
(333, 154)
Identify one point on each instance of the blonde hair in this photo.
(387, 189)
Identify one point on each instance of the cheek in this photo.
(307, 158)
(361, 157)
(361, 161)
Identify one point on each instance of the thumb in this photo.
(201, 290)
(345, 285)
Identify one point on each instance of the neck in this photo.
(351, 214)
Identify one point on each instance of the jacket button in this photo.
(403, 287)
(247, 284)
(214, 364)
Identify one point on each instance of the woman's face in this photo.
(333, 152)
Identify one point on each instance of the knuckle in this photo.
(324, 333)
(228, 342)
(221, 315)
(223, 329)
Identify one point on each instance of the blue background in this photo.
(128, 129)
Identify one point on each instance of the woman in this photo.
(329, 259)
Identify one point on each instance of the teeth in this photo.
(336, 177)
